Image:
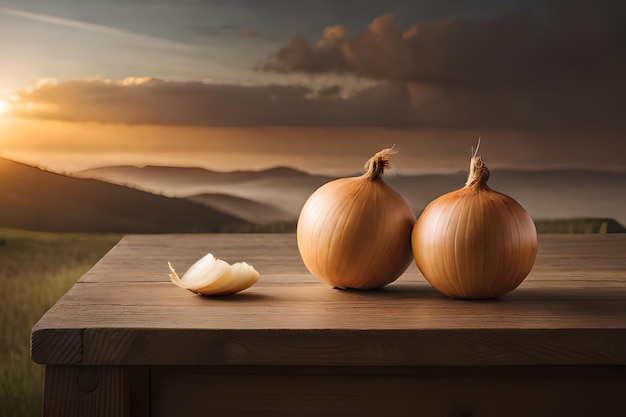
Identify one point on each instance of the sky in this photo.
(319, 85)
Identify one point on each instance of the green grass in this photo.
(36, 268)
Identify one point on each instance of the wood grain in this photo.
(86, 391)
(570, 310)
(504, 391)
(57, 346)
(356, 348)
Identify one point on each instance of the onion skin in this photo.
(356, 232)
(474, 243)
(215, 277)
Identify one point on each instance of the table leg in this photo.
(96, 391)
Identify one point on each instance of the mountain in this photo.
(181, 199)
(282, 187)
(246, 209)
(580, 225)
(31, 198)
(170, 179)
(546, 194)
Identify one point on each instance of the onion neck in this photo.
(376, 165)
(478, 174)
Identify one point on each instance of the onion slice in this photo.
(212, 276)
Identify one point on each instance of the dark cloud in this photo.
(248, 33)
(513, 70)
(153, 101)
(226, 29)
(559, 70)
(517, 49)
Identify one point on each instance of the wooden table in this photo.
(124, 341)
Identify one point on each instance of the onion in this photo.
(474, 242)
(212, 276)
(356, 232)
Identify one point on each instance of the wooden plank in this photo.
(79, 391)
(145, 257)
(139, 383)
(317, 306)
(57, 345)
(577, 287)
(348, 348)
(276, 252)
(507, 391)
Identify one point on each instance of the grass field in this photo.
(35, 270)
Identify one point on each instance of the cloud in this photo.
(129, 36)
(248, 33)
(516, 49)
(228, 29)
(562, 70)
(145, 100)
(513, 70)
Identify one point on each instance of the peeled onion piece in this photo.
(475, 242)
(212, 276)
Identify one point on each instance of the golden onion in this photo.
(474, 242)
(356, 232)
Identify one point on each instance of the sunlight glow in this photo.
(4, 107)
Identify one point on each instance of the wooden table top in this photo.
(571, 310)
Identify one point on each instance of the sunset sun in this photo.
(4, 107)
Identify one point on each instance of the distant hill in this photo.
(282, 187)
(246, 209)
(169, 179)
(158, 199)
(546, 194)
(31, 198)
(591, 225)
